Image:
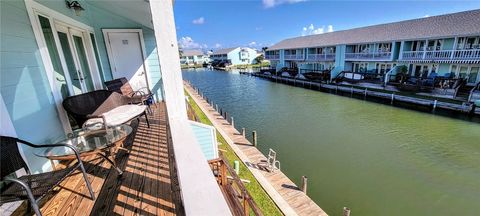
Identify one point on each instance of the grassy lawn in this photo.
(261, 197)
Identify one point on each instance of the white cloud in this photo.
(330, 28)
(217, 45)
(252, 44)
(199, 21)
(258, 28)
(273, 3)
(188, 43)
(311, 30)
(426, 16)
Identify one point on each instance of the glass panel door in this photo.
(70, 61)
(59, 75)
(85, 73)
(473, 77)
(462, 73)
(72, 43)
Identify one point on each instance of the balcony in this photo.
(272, 57)
(321, 57)
(148, 186)
(368, 56)
(294, 57)
(470, 54)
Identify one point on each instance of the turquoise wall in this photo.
(24, 84)
(448, 43)
(339, 60)
(443, 69)
(206, 139)
(395, 50)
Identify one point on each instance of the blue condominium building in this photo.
(446, 46)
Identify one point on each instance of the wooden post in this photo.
(434, 105)
(216, 107)
(346, 211)
(223, 173)
(221, 112)
(304, 184)
(365, 93)
(393, 98)
(245, 204)
(231, 121)
(243, 132)
(226, 115)
(254, 138)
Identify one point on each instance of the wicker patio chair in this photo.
(103, 105)
(31, 187)
(122, 86)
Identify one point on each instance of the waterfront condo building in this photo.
(445, 48)
(193, 57)
(236, 55)
(54, 50)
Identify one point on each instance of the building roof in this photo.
(455, 24)
(223, 51)
(192, 52)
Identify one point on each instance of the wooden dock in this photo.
(392, 97)
(288, 197)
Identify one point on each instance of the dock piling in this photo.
(346, 211)
(226, 116)
(231, 121)
(434, 105)
(254, 138)
(216, 107)
(243, 132)
(393, 98)
(304, 184)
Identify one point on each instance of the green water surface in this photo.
(373, 158)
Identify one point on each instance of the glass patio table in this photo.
(89, 141)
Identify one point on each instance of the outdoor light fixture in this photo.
(75, 6)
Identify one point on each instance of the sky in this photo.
(215, 24)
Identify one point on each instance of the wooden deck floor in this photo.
(288, 197)
(147, 187)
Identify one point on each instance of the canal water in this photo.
(373, 158)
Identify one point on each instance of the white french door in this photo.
(67, 52)
(77, 63)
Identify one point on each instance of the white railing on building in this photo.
(272, 57)
(441, 55)
(369, 56)
(294, 57)
(321, 57)
(466, 54)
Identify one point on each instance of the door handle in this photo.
(143, 72)
(81, 78)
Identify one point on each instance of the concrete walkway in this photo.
(288, 197)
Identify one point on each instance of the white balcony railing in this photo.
(412, 55)
(294, 57)
(442, 55)
(438, 54)
(466, 54)
(272, 57)
(321, 57)
(369, 56)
